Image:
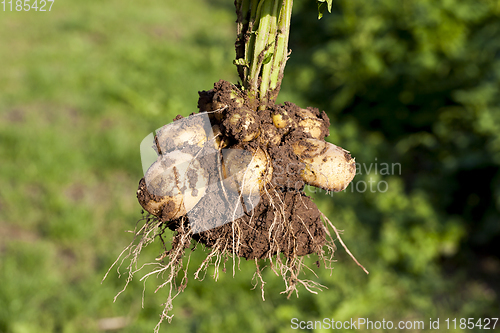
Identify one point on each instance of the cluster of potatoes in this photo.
(244, 135)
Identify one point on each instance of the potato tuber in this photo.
(310, 124)
(175, 183)
(241, 124)
(179, 134)
(282, 120)
(247, 172)
(327, 166)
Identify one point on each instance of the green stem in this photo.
(268, 54)
(262, 47)
(281, 55)
(261, 36)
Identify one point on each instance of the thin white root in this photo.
(173, 261)
(343, 245)
(258, 275)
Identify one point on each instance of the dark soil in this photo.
(286, 222)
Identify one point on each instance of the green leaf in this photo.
(267, 58)
(240, 62)
(322, 5)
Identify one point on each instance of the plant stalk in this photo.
(263, 28)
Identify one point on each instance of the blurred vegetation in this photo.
(413, 82)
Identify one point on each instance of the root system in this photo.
(270, 221)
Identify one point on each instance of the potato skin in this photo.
(181, 133)
(282, 119)
(241, 124)
(247, 171)
(269, 134)
(327, 166)
(309, 123)
(312, 126)
(175, 183)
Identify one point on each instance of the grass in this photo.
(79, 89)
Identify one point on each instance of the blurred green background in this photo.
(413, 83)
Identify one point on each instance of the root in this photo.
(343, 245)
(174, 262)
(258, 275)
(147, 234)
(154, 228)
(215, 253)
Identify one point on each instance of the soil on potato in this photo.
(282, 219)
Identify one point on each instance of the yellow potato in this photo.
(305, 113)
(281, 120)
(312, 126)
(178, 181)
(237, 99)
(327, 166)
(310, 123)
(269, 134)
(242, 120)
(247, 172)
(188, 131)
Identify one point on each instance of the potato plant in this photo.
(234, 183)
